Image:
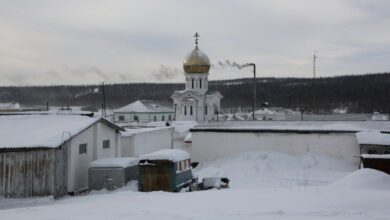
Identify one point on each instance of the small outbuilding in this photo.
(373, 142)
(379, 162)
(167, 170)
(112, 173)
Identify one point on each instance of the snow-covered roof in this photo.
(376, 156)
(114, 162)
(131, 131)
(145, 106)
(174, 155)
(304, 126)
(373, 137)
(49, 131)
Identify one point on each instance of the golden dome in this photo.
(196, 62)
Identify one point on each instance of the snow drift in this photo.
(364, 179)
(260, 169)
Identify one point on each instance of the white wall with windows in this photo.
(86, 147)
(196, 103)
(126, 117)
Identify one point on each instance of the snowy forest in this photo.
(357, 93)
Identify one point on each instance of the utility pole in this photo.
(104, 114)
(314, 81)
(314, 64)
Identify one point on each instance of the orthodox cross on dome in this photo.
(196, 38)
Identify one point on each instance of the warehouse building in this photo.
(43, 155)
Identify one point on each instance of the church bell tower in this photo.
(196, 102)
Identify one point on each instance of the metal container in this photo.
(165, 175)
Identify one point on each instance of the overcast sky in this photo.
(90, 41)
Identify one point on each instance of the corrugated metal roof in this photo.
(299, 126)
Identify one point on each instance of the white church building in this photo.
(196, 102)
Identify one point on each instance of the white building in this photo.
(143, 111)
(138, 141)
(50, 154)
(329, 138)
(196, 102)
(11, 106)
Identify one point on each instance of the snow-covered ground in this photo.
(264, 185)
(272, 169)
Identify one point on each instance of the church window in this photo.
(191, 110)
(200, 83)
(192, 83)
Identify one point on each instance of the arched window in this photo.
(191, 110)
(192, 83)
(200, 83)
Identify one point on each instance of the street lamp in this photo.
(254, 87)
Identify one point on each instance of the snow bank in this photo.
(259, 169)
(188, 138)
(364, 179)
(173, 155)
(182, 127)
(114, 162)
(251, 169)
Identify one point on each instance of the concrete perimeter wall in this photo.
(213, 145)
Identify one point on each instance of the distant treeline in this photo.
(358, 93)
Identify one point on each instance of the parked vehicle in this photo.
(214, 182)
